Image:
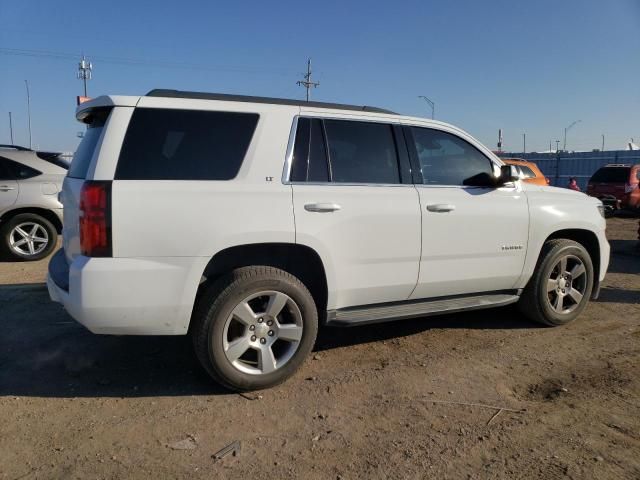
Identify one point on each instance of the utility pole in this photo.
(11, 128)
(84, 72)
(307, 83)
(550, 149)
(602, 143)
(28, 111)
(431, 103)
(524, 143)
(565, 134)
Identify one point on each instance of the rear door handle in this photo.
(6, 188)
(322, 207)
(441, 207)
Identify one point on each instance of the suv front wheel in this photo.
(27, 236)
(561, 284)
(254, 327)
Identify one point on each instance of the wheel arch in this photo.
(299, 260)
(589, 240)
(43, 212)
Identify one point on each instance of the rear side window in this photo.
(611, 175)
(164, 144)
(309, 154)
(10, 170)
(53, 158)
(82, 158)
(362, 152)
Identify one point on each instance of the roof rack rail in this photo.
(158, 92)
(17, 147)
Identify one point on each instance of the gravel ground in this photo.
(372, 402)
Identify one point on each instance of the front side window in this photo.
(527, 172)
(446, 159)
(362, 152)
(167, 144)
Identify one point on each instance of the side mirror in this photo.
(508, 173)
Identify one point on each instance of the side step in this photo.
(417, 308)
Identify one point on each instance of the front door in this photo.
(474, 239)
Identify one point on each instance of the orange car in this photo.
(529, 171)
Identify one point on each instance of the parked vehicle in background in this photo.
(249, 222)
(619, 182)
(529, 171)
(30, 212)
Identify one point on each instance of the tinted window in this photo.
(362, 152)
(611, 175)
(185, 145)
(446, 159)
(84, 153)
(309, 155)
(10, 170)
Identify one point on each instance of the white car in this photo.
(247, 222)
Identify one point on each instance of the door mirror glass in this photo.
(508, 173)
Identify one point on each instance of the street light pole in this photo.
(28, 111)
(431, 103)
(565, 134)
(11, 128)
(602, 143)
(557, 143)
(524, 143)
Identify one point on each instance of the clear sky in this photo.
(531, 67)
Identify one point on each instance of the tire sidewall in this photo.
(218, 316)
(547, 266)
(22, 218)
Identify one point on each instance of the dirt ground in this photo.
(372, 402)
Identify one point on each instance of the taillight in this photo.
(547, 180)
(95, 219)
(630, 187)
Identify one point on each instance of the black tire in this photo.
(535, 302)
(214, 306)
(7, 229)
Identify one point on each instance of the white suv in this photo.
(247, 222)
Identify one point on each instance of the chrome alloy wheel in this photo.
(28, 239)
(262, 332)
(566, 284)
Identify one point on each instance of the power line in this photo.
(307, 83)
(138, 62)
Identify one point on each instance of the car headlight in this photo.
(601, 210)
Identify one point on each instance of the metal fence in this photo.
(558, 168)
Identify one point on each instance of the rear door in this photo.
(8, 185)
(355, 205)
(474, 239)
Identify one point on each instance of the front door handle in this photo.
(322, 207)
(6, 188)
(441, 207)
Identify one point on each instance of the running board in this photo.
(421, 308)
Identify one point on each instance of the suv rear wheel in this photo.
(561, 285)
(27, 236)
(254, 327)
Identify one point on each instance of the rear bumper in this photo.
(127, 296)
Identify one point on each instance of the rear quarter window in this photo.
(168, 144)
